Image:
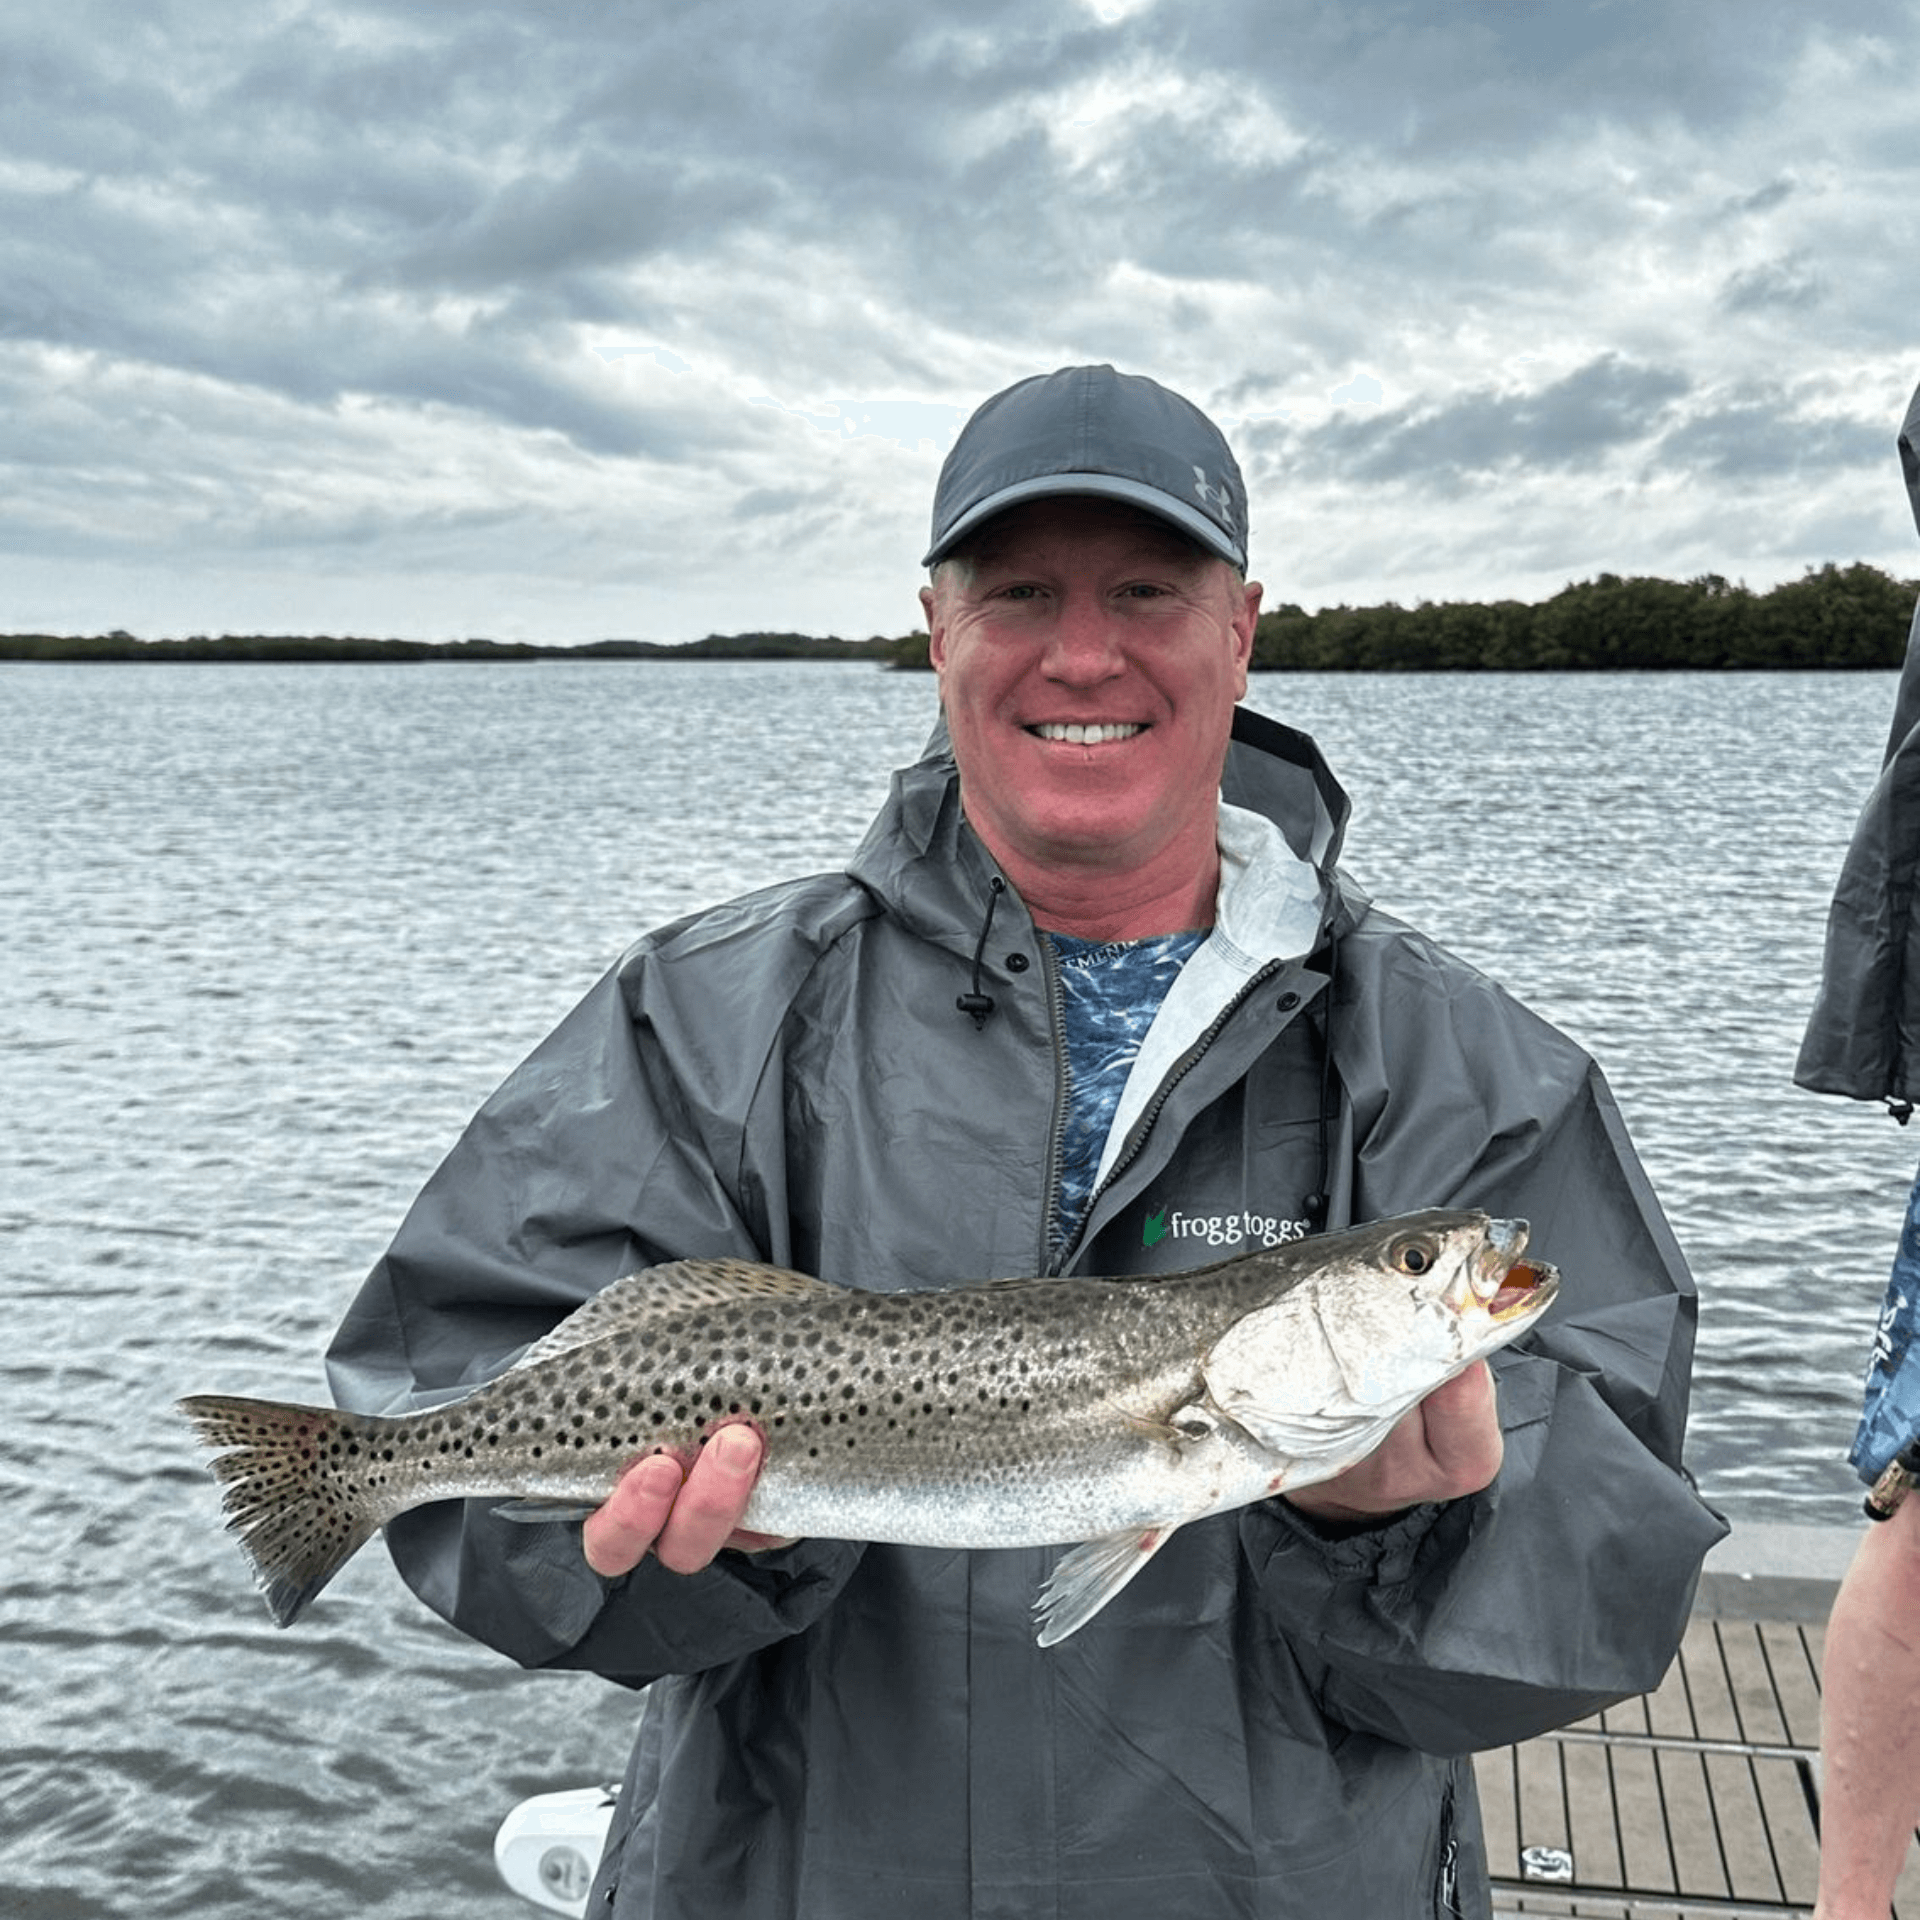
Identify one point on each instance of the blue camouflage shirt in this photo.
(1110, 991)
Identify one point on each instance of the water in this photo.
(270, 934)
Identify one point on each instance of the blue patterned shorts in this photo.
(1890, 1416)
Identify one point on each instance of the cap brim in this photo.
(1105, 486)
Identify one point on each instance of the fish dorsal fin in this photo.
(637, 1299)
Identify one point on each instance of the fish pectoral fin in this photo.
(1089, 1575)
(534, 1513)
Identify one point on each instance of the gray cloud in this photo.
(1575, 421)
(1790, 283)
(683, 305)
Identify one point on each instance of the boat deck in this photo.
(1702, 1797)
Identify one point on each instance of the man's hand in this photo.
(1447, 1446)
(683, 1516)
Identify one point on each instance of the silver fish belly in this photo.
(1102, 1412)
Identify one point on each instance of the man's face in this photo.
(1089, 667)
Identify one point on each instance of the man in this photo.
(1857, 1044)
(1092, 996)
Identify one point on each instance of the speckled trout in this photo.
(1101, 1414)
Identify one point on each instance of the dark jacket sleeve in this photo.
(1861, 1039)
(1565, 1585)
(596, 1158)
(1863, 1036)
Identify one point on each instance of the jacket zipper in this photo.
(1057, 1126)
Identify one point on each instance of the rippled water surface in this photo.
(271, 933)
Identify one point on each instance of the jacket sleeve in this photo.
(597, 1157)
(1860, 1040)
(1566, 1585)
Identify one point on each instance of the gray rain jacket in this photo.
(1863, 1038)
(1268, 1721)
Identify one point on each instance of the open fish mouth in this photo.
(1525, 1285)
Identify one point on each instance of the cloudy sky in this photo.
(550, 319)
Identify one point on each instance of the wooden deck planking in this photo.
(1700, 1798)
(1696, 1798)
(1700, 1864)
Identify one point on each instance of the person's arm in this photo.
(1870, 1723)
(595, 1159)
(1566, 1582)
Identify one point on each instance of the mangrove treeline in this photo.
(120, 645)
(1849, 617)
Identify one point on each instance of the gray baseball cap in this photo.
(1090, 430)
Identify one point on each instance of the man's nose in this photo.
(1084, 645)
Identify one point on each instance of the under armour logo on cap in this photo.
(1090, 430)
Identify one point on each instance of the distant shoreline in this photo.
(1832, 617)
(257, 647)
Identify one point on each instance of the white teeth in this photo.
(1078, 735)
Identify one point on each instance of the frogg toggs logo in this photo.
(1220, 1229)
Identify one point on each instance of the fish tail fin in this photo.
(295, 1493)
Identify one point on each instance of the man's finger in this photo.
(709, 1507)
(617, 1537)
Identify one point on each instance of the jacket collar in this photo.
(922, 858)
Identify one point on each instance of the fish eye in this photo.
(1414, 1257)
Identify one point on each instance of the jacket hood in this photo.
(1910, 454)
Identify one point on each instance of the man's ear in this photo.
(936, 629)
(1246, 619)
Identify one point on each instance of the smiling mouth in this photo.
(1078, 734)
